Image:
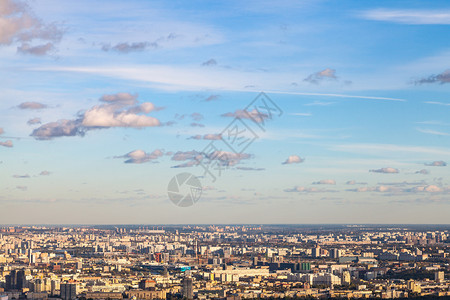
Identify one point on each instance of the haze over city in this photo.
(102, 104)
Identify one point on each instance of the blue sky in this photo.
(101, 105)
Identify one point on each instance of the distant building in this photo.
(68, 291)
(145, 295)
(16, 280)
(147, 284)
(346, 278)
(188, 292)
(439, 276)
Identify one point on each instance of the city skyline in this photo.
(102, 106)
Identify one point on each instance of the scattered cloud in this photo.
(117, 110)
(385, 171)
(302, 189)
(428, 188)
(293, 159)
(45, 173)
(22, 188)
(441, 78)
(408, 16)
(31, 105)
(379, 189)
(326, 74)
(207, 137)
(196, 116)
(22, 176)
(59, 128)
(34, 121)
(326, 181)
(39, 50)
(250, 169)
(195, 124)
(212, 98)
(354, 182)
(221, 158)
(8, 144)
(210, 62)
(438, 163)
(423, 172)
(1, 130)
(129, 47)
(140, 156)
(254, 115)
(20, 26)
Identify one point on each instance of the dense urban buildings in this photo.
(223, 262)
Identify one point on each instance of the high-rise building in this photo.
(188, 292)
(68, 291)
(335, 253)
(316, 251)
(439, 276)
(16, 280)
(346, 278)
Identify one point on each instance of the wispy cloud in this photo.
(388, 149)
(301, 114)
(438, 103)
(433, 132)
(408, 16)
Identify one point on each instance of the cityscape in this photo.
(224, 262)
(226, 150)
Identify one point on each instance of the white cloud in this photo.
(31, 105)
(254, 115)
(385, 171)
(118, 110)
(8, 144)
(326, 181)
(140, 156)
(321, 75)
(302, 189)
(19, 25)
(438, 163)
(209, 136)
(34, 121)
(293, 159)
